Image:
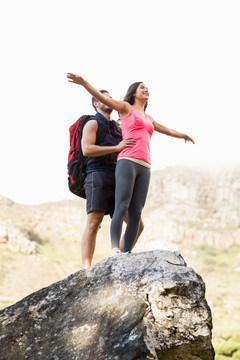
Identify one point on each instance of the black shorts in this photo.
(100, 192)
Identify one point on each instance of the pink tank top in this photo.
(141, 130)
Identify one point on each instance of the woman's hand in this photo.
(76, 79)
(187, 138)
(122, 107)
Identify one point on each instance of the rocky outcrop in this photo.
(129, 307)
(17, 238)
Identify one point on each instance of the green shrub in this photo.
(227, 348)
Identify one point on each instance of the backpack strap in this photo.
(104, 129)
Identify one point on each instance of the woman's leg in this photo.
(140, 230)
(125, 179)
(136, 206)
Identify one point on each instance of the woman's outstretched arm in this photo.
(121, 106)
(170, 132)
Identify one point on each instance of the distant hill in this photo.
(194, 207)
(182, 206)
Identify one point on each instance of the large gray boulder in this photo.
(148, 305)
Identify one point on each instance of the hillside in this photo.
(183, 206)
(194, 212)
(194, 207)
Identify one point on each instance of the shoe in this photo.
(117, 252)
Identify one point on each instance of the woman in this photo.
(133, 166)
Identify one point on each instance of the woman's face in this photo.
(142, 92)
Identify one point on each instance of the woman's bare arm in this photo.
(170, 132)
(121, 106)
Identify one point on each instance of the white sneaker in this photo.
(117, 252)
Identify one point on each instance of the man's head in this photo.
(100, 107)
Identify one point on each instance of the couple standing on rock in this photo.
(118, 185)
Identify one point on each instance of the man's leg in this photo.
(94, 220)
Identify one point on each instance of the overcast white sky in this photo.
(187, 52)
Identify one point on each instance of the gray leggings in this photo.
(132, 182)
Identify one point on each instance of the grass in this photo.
(55, 259)
(219, 270)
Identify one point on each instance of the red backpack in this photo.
(77, 162)
(76, 159)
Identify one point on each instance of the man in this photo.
(101, 153)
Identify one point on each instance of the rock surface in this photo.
(129, 307)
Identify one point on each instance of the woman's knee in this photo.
(121, 210)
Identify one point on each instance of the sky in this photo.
(186, 51)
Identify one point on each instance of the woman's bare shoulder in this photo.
(127, 109)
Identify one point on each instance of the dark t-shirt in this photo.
(108, 134)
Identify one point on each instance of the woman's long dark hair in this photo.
(131, 91)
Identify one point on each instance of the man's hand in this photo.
(76, 79)
(128, 142)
